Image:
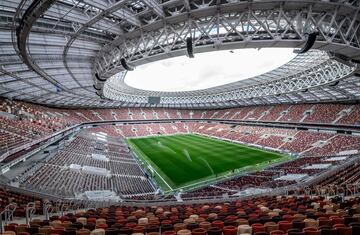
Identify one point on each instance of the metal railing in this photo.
(30, 211)
(60, 207)
(47, 209)
(7, 215)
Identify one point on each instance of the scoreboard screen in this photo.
(154, 100)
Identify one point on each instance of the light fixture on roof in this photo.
(189, 47)
(57, 88)
(334, 83)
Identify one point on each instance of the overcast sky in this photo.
(206, 69)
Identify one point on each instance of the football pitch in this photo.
(179, 161)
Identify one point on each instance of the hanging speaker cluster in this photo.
(99, 78)
(189, 47)
(125, 65)
(98, 84)
(100, 94)
(309, 43)
(96, 87)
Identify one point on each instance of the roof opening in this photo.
(207, 70)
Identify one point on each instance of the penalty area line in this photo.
(138, 152)
(161, 178)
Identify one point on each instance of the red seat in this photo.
(344, 230)
(217, 223)
(277, 232)
(230, 230)
(285, 225)
(311, 231)
(258, 228)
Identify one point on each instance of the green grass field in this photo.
(185, 159)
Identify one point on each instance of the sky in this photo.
(207, 70)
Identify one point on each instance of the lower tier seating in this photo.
(266, 215)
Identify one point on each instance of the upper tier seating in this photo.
(307, 113)
(351, 118)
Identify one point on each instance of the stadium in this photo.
(179, 117)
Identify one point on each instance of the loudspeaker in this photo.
(98, 89)
(125, 65)
(309, 43)
(189, 47)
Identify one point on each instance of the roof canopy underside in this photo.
(50, 50)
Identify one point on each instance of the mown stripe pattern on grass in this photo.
(187, 158)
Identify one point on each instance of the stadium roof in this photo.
(61, 52)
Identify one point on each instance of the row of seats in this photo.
(258, 216)
(58, 174)
(308, 113)
(344, 181)
(21, 200)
